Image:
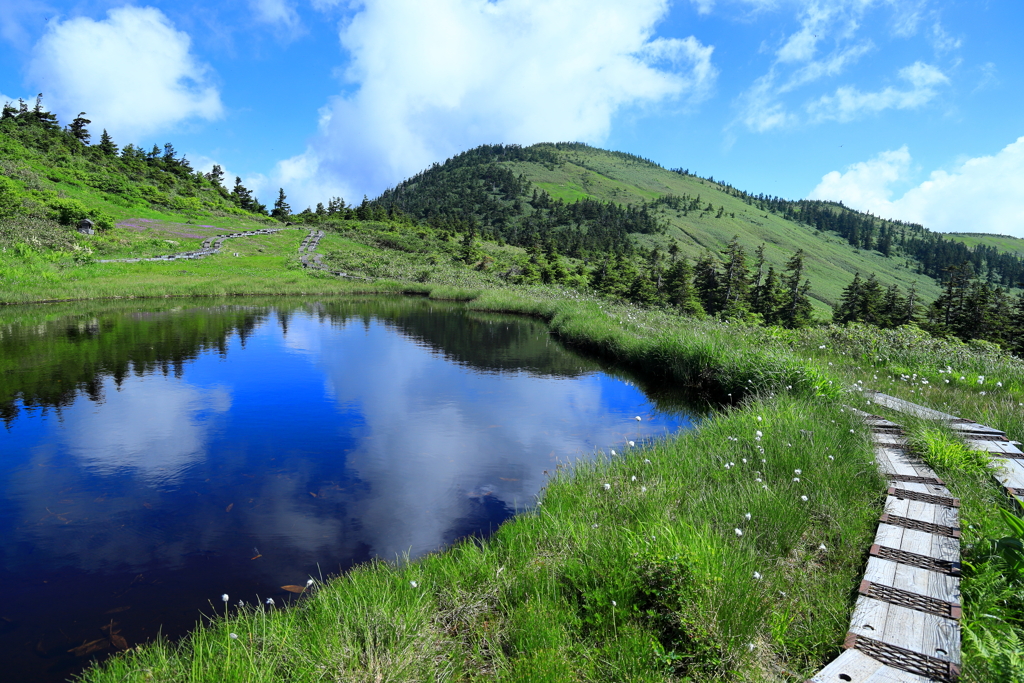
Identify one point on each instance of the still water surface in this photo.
(155, 457)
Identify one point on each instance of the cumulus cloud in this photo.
(432, 79)
(983, 194)
(849, 103)
(133, 72)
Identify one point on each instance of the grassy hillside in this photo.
(831, 262)
(584, 173)
(1004, 243)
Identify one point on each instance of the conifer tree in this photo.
(845, 311)
(796, 309)
(679, 289)
(216, 175)
(707, 283)
(735, 280)
(281, 208)
(78, 129)
(107, 145)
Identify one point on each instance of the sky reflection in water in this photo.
(333, 433)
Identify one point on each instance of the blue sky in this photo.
(912, 110)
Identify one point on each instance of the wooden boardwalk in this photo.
(906, 622)
(905, 625)
(211, 245)
(1007, 460)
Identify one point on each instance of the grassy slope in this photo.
(1011, 245)
(831, 262)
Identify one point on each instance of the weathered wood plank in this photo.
(856, 667)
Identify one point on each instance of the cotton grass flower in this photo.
(414, 584)
(639, 419)
(631, 444)
(646, 461)
(309, 583)
(822, 548)
(633, 478)
(757, 576)
(606, 487)
(270, 601)
(613, 451)
(798, 472)
(224, 598)
(796, 478)
(747, 516)
(233, 636)
(739, 532)
(803, 498)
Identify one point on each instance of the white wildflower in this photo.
(803, 498)
(747, 516)
(739, 532)
(606, 487)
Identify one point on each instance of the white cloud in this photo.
(795, 64)
(849, 103)
(983, 194)
(866, 184)
(132, 72)
(278, 13)
(146, 425)
(433, 79)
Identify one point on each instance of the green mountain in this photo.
(563, 192)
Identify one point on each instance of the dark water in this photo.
(157, 456)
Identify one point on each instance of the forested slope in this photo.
(590, 202)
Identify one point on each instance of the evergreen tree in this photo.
(869, 304)
(216, 175)
(281, 208)
(242, 196)
(107, 145)
(707, 283)
(796, 308)
(849, 302)
(768, 298)
(735, 280)
(679, 289)
(1016, 327)
(78, 129)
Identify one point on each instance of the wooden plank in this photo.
(921, 632)
(920, 488)
(869, 617)
(856, 667)
(889, 439)
(913, 579)
(900, 462)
